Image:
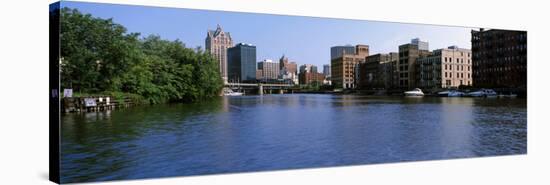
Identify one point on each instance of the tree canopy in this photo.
(99, 56)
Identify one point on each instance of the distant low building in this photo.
(269, 70)
(259, 73)
(306, 78)
(287, 66)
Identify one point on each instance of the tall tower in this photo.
(217, 41)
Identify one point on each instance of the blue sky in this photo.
(305, 40)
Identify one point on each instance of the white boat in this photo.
(456, 94)
(229, 92)
(451, 93)
(511, 95)
(483, 93)
(414, 92)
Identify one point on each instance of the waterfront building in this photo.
(216, 43)
(338, 51)
(287, 66)
(406, 66)
(343, 69)
(499, 59)
(241, 63)
(377, 71)
(269, 69)
(445, 68)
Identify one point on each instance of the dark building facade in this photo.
(499, 59)
(241, 63)
(377, 72)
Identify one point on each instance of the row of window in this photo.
(458, 75)
(458, 67)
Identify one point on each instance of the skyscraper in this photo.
(241, 63)
(422, 45)
(326, 70)
(217, 41)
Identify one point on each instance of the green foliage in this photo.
(99, 57)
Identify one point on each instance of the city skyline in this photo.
(307, 40)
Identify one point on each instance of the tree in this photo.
(98, 56)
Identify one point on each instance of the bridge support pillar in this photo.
(260, 89)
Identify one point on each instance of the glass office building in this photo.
(241, 63)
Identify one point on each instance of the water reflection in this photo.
(252, 133)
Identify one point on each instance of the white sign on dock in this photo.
(68, 93)
(89, 102)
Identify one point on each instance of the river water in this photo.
(272, 132)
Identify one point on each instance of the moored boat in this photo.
(415, 92)
(229, 92)
(483, 93)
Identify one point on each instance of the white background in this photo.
(24, 84)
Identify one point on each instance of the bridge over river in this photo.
(261, 88)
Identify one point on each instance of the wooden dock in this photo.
(93, 104)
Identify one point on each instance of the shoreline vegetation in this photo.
(100, 58)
